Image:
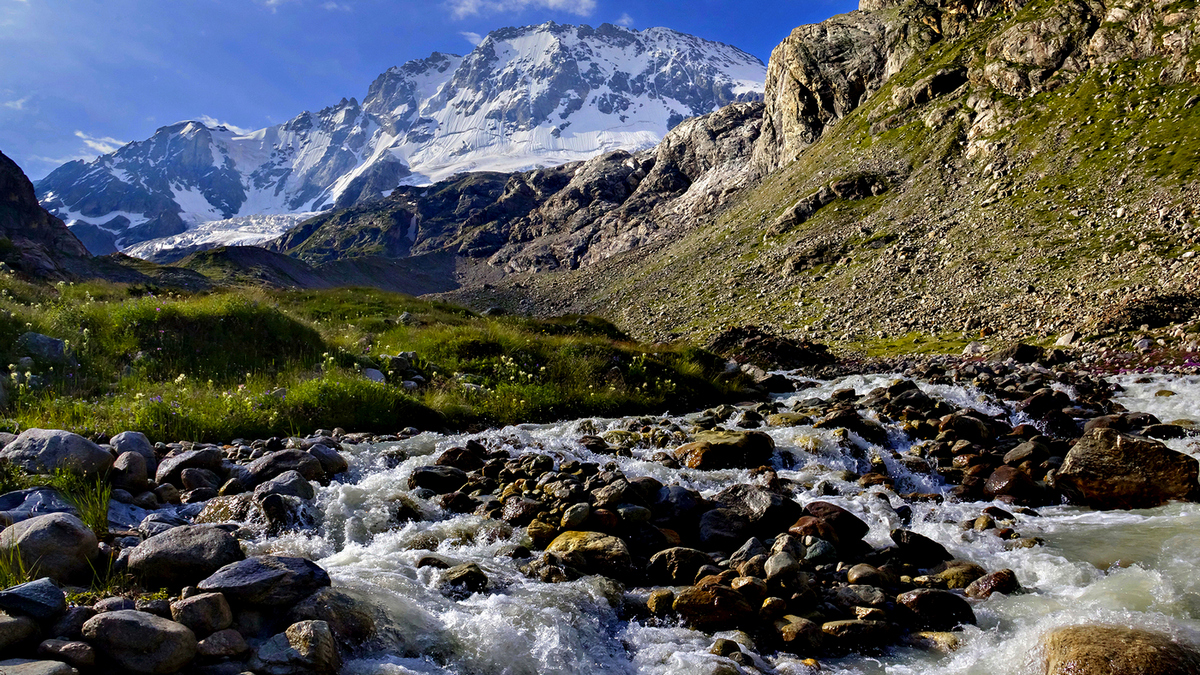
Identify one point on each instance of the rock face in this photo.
(44, 450)
(183, 555)
(56, 545)
(1107, 469)
(1111, 650)
(139, 642)
(41, 244)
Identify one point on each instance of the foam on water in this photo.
(1135, 568)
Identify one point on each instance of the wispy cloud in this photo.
(337, 6)
(101, 144)
(18, 104)
(464, 8)
(210, 121)
(625, 20)
(473, 38)
(59, 161)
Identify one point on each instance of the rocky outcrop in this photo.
(32, 240)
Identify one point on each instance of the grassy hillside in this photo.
(253, 364)
(1023, 217)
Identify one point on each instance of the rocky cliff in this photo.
(31, 240)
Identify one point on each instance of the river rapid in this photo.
(1137, 568)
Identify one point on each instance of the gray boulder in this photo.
(287, 483)
(44, 450)
(31, 667)
(56, 545)
(18, 633)
(130, 472)
(267, 580)
(41, 600)
(45, 350)
(305, 648)
(183, 556)
(140, 642)
(170, 468)
(135, 441)
(205, 613)
(331, 460)
(349, 615)
(271, 465)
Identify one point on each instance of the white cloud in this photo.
(464, 8)
(18, 104)
(337, 7)
(210, 121)
(625, 20)
(103, 145)
(473, 38)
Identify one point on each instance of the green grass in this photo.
(89, 496)
(254, 364)
(12, 568)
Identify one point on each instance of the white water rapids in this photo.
(1134, 568)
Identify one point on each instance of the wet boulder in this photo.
(272, 464)
(850, 420)
(1015, 486)
(462, 458)
(305, 648)
(45, 450)
(138, 642)
(677, 565)
(183, 556)
(1107, 469)
(712, 607)
(1116, 650)
(349, 616)
(723, 530)
(919, 550)
(204, 614)
(332, 461)
(714, 450)
(267, 581)
(440, 479)
(768, 512)
(857, 635)
(847, 526)
(936, 609)
(597, 552)
(56, 545)
(288, 483)
(1002, 581)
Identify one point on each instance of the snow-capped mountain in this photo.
(525, 97)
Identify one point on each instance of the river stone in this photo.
(348, 615)
(959, 573)
(332, 462)
(919, 550)
(228, 508)
(575, 516)
(135, 441)
(171, 466)
(32, 667)
(44, 450)
(1113, 650)
(865, 574)
(70, 625)
(677, 565)
(847, 526)
(223, 644)
(858, 635)
(272, 464)
(440, 479)
(18, 633)
(782, 568)
(936, 609)
(129, 472)
(267, 580)
(1011, 482)
(183, 555)
(73, 652)
(157, 523)
(40, 599)
(849, 419)
(600, 553)
(305, 648)
(723, 530)
(287, 483)
(1003, 581)
(199, 479)
(713, 450)
(56, 545)
(205, 613)
(140, 642)
(712, 607)
(462, 581)
(768, 512)
(1107, 469)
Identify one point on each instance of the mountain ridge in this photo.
(524, 97)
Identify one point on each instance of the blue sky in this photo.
(80, 77)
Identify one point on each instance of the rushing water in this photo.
(1135, 568)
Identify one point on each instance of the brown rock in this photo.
(1107, 469)
(1112, 650)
